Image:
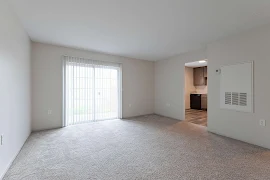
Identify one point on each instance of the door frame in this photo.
(120, 90)
(184, 88)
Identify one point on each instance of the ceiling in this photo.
(142, 29)
(201, 63)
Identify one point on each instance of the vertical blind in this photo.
(91, 90)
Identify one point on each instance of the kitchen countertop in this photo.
(198, 93)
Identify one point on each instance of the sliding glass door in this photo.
(91, 90)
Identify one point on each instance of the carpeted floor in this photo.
(150, 147)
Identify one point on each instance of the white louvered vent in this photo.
(243, 99)
(236, 87)
(236, 99)
(228, 98)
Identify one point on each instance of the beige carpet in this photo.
(150, 147)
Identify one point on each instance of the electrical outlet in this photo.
(262, 122)
(1, 140)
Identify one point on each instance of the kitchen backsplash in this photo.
(201, 89)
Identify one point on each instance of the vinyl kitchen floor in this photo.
(196, 116)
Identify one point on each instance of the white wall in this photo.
(15, 88)
(249, 46)
(169, 84)
(189, 86)
(138, 83)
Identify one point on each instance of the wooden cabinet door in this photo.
(198, 76)
(205, 71)
(204, 101)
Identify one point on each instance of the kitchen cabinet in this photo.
(198, 101)
(205, 71)
(204, 101)
(195, 101)
(198, 76)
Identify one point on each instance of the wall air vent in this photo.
(243, 99)
(236, 87)
(235, 98)
(228, 98)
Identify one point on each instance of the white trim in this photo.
(12, 159)
(94, 93)
(218, 132)
(9, 165)
(184, 93)
(120, 91)
(64, 124)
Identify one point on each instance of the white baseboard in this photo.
(169, 117)
(229, 136)
(127, 117)
(8, 166)
(13, 158)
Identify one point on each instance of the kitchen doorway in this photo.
(196, 92)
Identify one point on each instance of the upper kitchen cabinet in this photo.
(205, 71)
(200, 75)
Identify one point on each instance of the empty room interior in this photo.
(138, 89)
